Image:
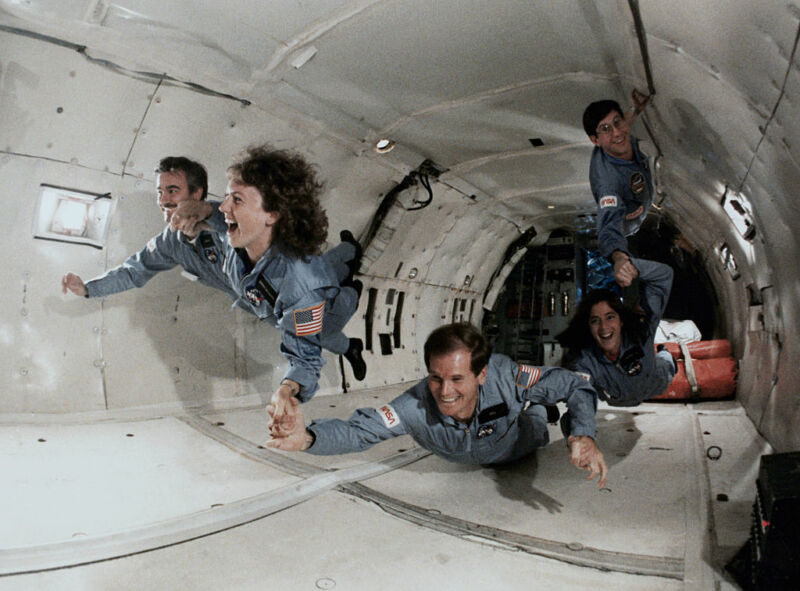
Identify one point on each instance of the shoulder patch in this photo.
(608, 201)
(528, 376)
(308, 321)
(151, 245)
(584, 375)
(635, 213)
(389, 416)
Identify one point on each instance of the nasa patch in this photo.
(254, 296)
(638, 183)
(211, 254)
(608, 201)
(389, 416)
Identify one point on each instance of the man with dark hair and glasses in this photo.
(620, 178)
(473, 408)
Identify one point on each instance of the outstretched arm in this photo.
(584, 453)
(558, 384)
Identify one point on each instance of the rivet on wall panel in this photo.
(99, 363)
(325, 583)
(23, 372)
(72, 74)
(60, 110)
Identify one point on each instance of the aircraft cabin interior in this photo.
(448, 139)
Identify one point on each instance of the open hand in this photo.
(584, 454)
(73, 283)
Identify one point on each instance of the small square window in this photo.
(738, 209)
(69, 215)
(728, 261)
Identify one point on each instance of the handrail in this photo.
(642, 36)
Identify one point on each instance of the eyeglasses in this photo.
(618, 123)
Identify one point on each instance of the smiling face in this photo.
(171, 189)
(249, 226)
(613, 135)
(453, 385)
(606, 328)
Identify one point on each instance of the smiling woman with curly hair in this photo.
(289, 188)
(276, 229)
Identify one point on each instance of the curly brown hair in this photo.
(289, 187)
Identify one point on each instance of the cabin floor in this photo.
(196, 502)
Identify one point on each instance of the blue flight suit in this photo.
(619, 187)
(611, 380)
(203, 257)
(509, 422)
(302, 298)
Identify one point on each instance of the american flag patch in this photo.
(528, 376)
(309, 320)
(608, 201)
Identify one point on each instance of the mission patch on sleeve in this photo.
(389, 416)
(608, 201)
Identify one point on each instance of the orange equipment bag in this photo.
(714, 369)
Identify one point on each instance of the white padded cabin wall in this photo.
(719, 74)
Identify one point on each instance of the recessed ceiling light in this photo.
(303, 56)
(551, 207)
(384, 145)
